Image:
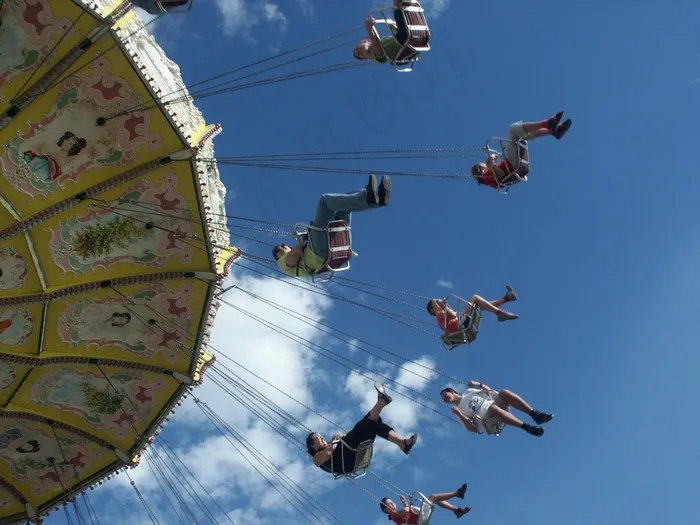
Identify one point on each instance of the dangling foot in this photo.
(561, 129)
(371, 192)
(408, 443)
(462, 511)
(461, 491)
(381, 393)
(507, 316)
(553, 122)
(532, 430)
(510, 294)
(541, 417)
(384, 190)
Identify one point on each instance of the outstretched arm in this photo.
(376, 44)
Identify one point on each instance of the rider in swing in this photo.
(409, 515)
(447, 318)
(331, 206)
(336, 458)
(382, 50)
(483, 410)
(497, 175)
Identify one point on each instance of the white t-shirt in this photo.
(475, 402)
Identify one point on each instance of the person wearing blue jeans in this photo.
(331, 206)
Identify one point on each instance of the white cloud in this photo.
(307, 7)
(239, 17)
(435, 8)
(444, 283)
(288, 366)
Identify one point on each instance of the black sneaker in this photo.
(533, 430)
(384, 191)
(553, 122)
(408, 443)
(510, 294)
(371, 191)
(561, 129)
(381, 392)
(541, 417)
(507, 316)
(461, 491)
(462, 511)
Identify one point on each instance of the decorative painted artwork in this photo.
(16, 326)
(28, 34)
(149, 226)
(109, 406)
(13, 269)
(26, 446)
(153, 321)
(8, 374)
(7, 500)
(66, 142)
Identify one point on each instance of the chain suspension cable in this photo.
(389, 315)
(175, 473)
(211, 416)
(174, 454)
(257, 83)
(264, 60)
(356, 153)
(172, 482)
(386, 289)
(151, 515)
(63, 77)
(271, 467)
(313, 322)
(338, 170)
(328, 355)
(46, 57)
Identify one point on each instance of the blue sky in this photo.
(602, 246)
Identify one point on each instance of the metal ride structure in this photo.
(109, 260)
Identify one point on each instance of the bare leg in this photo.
(439, 498)
(485, 305)
(504, 416)
(377, 409)
(446, 505)
(534, 127)
(397, 440)
(499, 302)
(515, 401)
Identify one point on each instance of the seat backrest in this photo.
(339, 243)
(364, 455)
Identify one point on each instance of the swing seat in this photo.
(339, 240)
(363, 459)
(467, 334)
(418, 33)
(497, 146)
(158, 7)
(425, 507)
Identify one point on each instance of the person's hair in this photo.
(429, 307)
(476, 170)
(383, 506)
(448, 389)
(310, 444)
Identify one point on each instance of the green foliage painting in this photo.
(99, 240)
(101, 401)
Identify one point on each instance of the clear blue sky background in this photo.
(602, 244)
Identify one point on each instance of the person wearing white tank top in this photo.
(483, 410)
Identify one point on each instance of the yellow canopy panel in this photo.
(110, 247)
